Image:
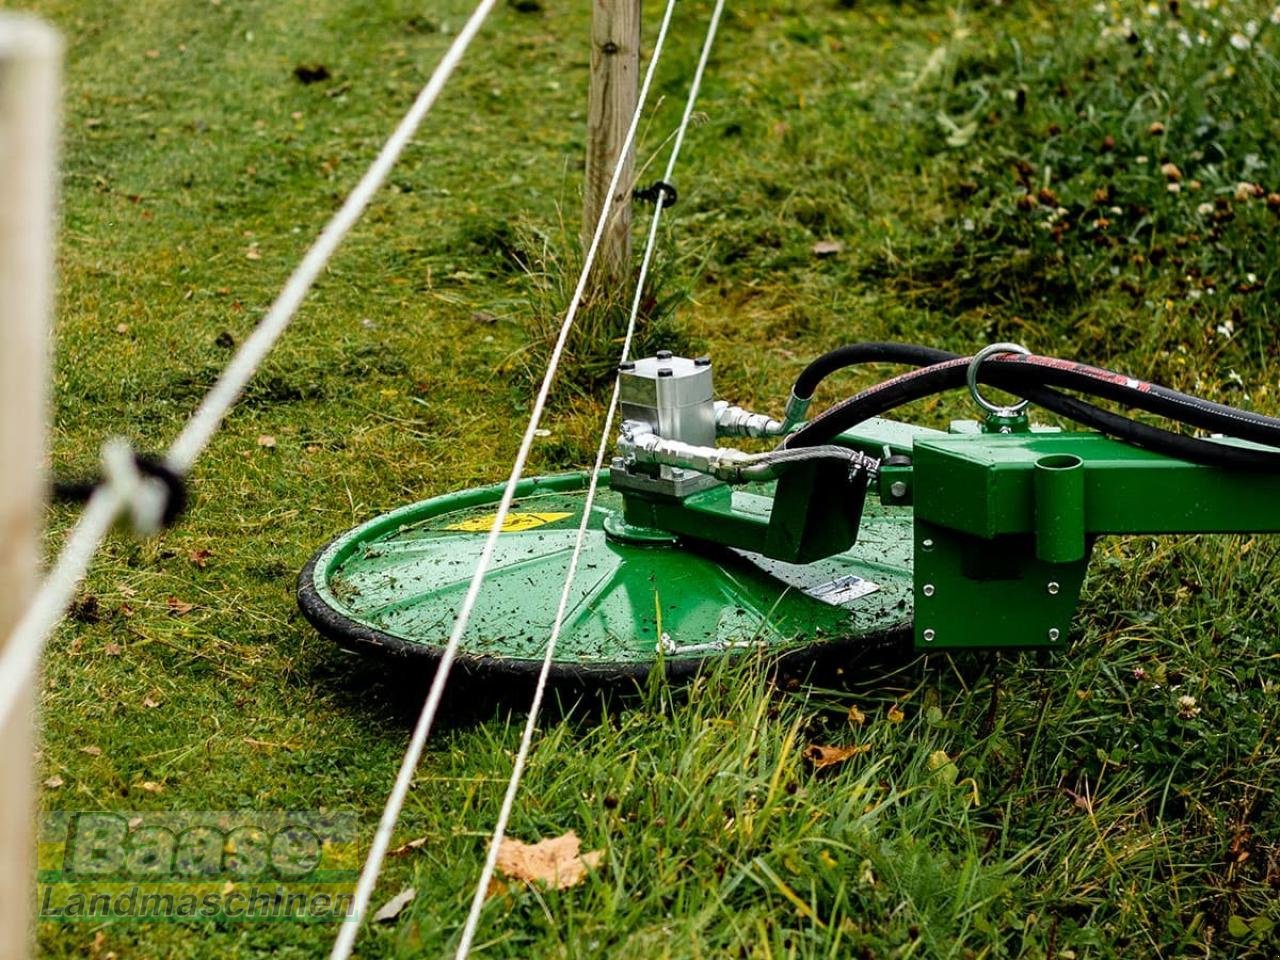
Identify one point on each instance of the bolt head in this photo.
(702, 362)
(663, 354)
(1054, 633)
(898, 489)
(1053, 588)
(928, 590)
(927, 544)
(665, 372)
(929, 634)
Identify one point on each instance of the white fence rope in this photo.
(526, 740)
(422, 730)
(21, 654)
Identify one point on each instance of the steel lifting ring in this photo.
(971, 376)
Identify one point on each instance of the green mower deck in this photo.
(393, 587)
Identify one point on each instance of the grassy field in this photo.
(1097, 181)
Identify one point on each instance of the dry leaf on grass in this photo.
(179, 607)
(856, 716)
(393, 907)
(554, 863)
(822, 757)
(409, 847)
(827, 248)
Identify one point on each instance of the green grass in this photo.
(992, 173)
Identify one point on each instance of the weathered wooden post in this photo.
(30, 58)
(615, 74)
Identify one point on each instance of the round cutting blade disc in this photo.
(393, 586)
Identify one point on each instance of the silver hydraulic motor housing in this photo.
(672, 398)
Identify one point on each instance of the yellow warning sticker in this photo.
(515, 522)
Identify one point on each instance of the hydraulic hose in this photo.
(1028, 376)
(731, 465)
(856, 353)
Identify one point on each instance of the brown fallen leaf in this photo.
(827, 248)
(179, 607)
(113, 649)
(395, 906)
(92, 751)
(822, 756)
(856, 716)
(554, 862)
(150, 704)
(408, 847)
(267, 441)
(200, 558)
(54, 782)
(151, 786)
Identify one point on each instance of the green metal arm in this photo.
(1003, 522)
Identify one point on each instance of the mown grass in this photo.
(992, 170)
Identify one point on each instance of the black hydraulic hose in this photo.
(1018, 370)
(1121, 427)
(1003, 372)
(856, 353)
(1078, 410)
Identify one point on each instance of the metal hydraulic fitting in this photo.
(734, 421)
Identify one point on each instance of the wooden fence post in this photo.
(615, 80)
(30, 58)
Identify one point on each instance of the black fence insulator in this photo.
(658, 192)
(79, 491)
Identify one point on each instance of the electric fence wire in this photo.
(368, 879)
(21, 654)
(526, 741)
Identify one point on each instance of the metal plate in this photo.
(394, 585)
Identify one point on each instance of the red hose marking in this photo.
(911, 375)
(1097, 373)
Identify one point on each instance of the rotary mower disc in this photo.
(392, 587)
